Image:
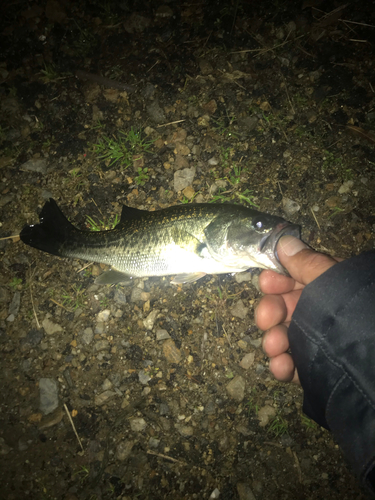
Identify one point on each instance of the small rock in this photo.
(14, 306)
(185, 430)
(49, 395)
(248, 123)
(136, 294)
(188, 192)
(4, 448)
(107, 384)
(102, 398)
(39, 166)
(215, 494)
(171, 352)
(265, 414)
(244, 492)
(153, 442)
(290, 207)
(333, 201)
(163, 409)
(87, 335)
(32, 339)
(143, 377)
(162, 334)
(101, 345)
(124, 449)
(346, 187)
(51, 328)
(138, 424)
(210, 408)
(239, 310)
(183, 178)
(236, 388)
(103, 316)
(119, 297)
(247, 360)
(150, 320)
(241, 277)
(155, 112)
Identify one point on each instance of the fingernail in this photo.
(290, 245)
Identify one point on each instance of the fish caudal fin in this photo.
(52, 231)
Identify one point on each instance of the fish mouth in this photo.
(270, 241)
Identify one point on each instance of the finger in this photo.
(283, 369)
(272, 282)
(303, 263)
(275, 309)
(271, 311)
(275, 341)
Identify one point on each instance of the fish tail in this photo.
(51, 233)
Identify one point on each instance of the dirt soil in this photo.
(147, 390)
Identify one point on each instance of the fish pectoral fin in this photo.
(187, 241)
(187, 278)
(111, 277)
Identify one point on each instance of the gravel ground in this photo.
(148, 390)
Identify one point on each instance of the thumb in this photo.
(302, 263)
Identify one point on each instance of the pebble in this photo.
(290, 206)
(139, 294)
(32, 339)
(239, 310)
(210, 408)
(124, 449)
(119, 297)
(101, 345)
(39, 166)
(87, 335)
(247, 361)
(4, 448)
(265, 414)
(189, 192)
(138, 424)
(245, 492)
(162, 334)
(236, 388)
(240, 277)
(183, 178)
(346, 187)
(14, 306)
(171, 352)
(107, 384)
(102, 398)
(143, 377)
(51, 328)
(164, 409)
(185, 430)
(150, 320)
(103, 316)
(153, 442)
(49, 395)
(215, 493)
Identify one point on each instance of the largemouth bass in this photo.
(187, 241)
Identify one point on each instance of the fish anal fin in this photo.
(187, 278)
(112, 277)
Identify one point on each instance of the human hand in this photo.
(282, 293)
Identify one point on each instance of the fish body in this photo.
(187, 241)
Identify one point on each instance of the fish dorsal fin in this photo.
(130, 213)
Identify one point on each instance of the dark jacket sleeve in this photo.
(332, 339)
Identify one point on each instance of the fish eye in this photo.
(258, 224)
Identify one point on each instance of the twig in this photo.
(74, 427)
(10, 237)
(316, 220)
(287, 94)
(170, 123)
(58, 303)
(32, 301)
(160, 455)
(298, 466)
(227, 336)
(85, 267)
